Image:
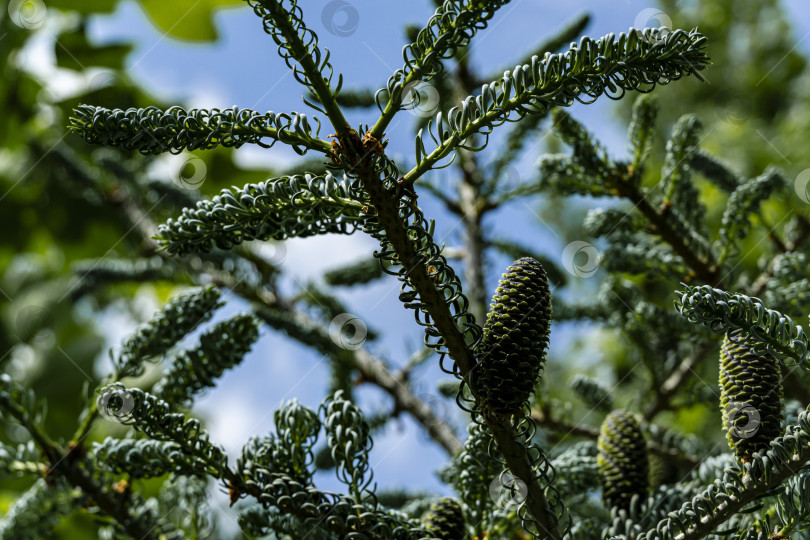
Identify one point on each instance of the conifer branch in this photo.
(221, 348)
(722, 312)
(298, 46)
(741, 484)
(629, 62)
(276, 209)
(450, 28)
(153, 131)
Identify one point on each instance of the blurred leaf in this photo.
(73, 51)
(184, 20)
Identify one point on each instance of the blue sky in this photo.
(243, 69)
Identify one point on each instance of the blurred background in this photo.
(213, 53)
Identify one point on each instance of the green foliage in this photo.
(357, 273)
(169, 325)
(85, 235)
(152, 131)
(220, 349)
(38, 511)
(775, 333)
(152, 416)
(511, 355)
(592, 392)
(349, 442)
(264, 211)
(647, 59)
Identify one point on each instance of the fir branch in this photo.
(20, 460)
(592, 392)
(94, 273)
(328, 306)
(298, 46)
(568, 32)
(449, 328)
(676, 174)
(78, 471)
(675, 231)
(184, 500)
(562, 175)
(220, 349)
(151, 416)
(450, 29)
(666, 391)
(276, 209)
(297, 430)
(358, 273)
(744, 201)
(322, 509)
(787, 287)
(716, 170)
(153, 131)
(473, 471)
(145, 458)
(372, 370)
(37, 512)
(641, 130)
(173, 322)
(722, 312)
(629, 62)
(349, 441)
(741, 484)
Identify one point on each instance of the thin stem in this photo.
(706, 271)
(318, 83)
(667, 390)
(543, 417)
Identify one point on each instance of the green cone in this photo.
(751, 398)
(622, 459)
(445, 520)
(511, 355)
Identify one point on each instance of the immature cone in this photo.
(622, 459)
(512, 351)
(750, 396)
(445, 520)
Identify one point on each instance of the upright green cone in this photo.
(622, 459)
(511, 355)
(445, 520)
(751, 398)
